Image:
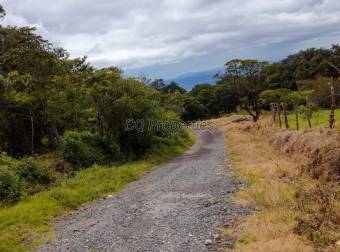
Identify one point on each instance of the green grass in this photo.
(320, 118)
(27, 224)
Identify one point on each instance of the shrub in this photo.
(31, 172)
(319, 218)
(9, 185)
(84, 149)
(8, 161)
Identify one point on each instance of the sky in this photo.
(165, 38)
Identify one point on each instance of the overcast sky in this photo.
(163, 38)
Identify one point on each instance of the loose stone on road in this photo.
(177, 207)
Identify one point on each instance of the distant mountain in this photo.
(189, 80)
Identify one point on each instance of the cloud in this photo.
(138, 33)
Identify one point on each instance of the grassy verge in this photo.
(286, 201)
(27, 224)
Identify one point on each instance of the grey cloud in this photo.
(138, 33)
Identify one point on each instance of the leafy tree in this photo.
(275, 98)
(41, 91)
(320, 85)
(2, 12)
(172, 88)
(196, 90)
(205, 94)
(307, 64)
(193, 109)
(157, 84)
(225, 99)
(117, 100)
(301, 104)
(246, 79)
(174, 102)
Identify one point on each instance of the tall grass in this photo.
(288, 203)
(27, 224)
(271, 226)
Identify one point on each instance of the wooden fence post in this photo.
(333, 106)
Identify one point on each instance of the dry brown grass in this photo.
(318, 149)
(262, 155)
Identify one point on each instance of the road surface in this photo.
(176, 207)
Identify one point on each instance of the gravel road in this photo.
(176, 207)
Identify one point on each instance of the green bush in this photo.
(31, 172)
(85, 149)
(9, 185)
(6, 160)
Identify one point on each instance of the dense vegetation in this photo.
(52, 103)
(59, 115)
(64, 138)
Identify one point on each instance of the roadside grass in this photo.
(319, 118)
(271, 193)
(26, 225)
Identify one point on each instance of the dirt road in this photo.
(177, 207)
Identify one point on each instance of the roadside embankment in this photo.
(293, 186)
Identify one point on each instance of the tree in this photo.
(307, 64)
(300, 101)
(193, 109)
(320, 85)
(174, 102)
(276, 99)
(118, 101)
(2, 12)
(245, 77)
(205, 94)
(157, 84)
(172, 88)
(225, 100)
(36, 82)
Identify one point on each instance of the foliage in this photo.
(193, 109)
(246, 80)
(274, 96)
(174, 102)
(22, 178)
(205, 101)
(29, 220)
(157, 84)
(319, 216)
(32, 172)
(9, 185)
(83, 149)
(172, 88)
(2, 12)
(34, 75)
(320, 85)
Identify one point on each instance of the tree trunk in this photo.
(54, 137)
(273, 107)
(279, 117)
(333, 106)
(308, 112)
(297, 120)
(32, 134)
(309, 121)
(256, 116)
